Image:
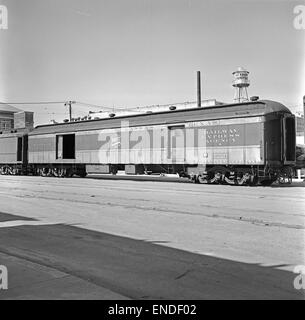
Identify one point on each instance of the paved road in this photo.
(112, 239)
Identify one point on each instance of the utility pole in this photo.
(69, 103)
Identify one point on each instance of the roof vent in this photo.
(172, 108)
(254, 98)
(112, 115)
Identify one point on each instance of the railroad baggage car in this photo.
(242, 143)
(13, 152)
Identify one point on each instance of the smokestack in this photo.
(198, 89)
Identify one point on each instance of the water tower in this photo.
(241, 83)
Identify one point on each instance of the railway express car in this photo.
(13, 152)
(242, 143)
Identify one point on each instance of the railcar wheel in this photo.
(62, 172)
(284, 179)
(246, 179)
(194, 179)
(285, 176)
(4, 170)
(217, 178)
(253, 180)
(50, 173)
(46, 172)
(202, 180)
(240, 181)
(229, 178)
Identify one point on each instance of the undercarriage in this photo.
(231, 175)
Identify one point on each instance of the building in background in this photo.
(7, 117)
(24, 120)
(12, 118)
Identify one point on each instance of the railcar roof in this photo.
(237, 110)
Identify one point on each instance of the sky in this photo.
(124, 53)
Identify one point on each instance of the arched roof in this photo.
(226, 111)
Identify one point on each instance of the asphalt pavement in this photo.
(125, 239)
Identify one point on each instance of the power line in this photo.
(43, 102)
(7, 104)
(58, 102)
(102, 108)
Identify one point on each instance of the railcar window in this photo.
(290, 138)
(65, 146)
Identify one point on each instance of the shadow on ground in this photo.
(294, 184)
(9, 217)
(139, 269)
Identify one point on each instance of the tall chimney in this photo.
(198, 89)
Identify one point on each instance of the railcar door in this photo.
(25, 150)
(65, 146)
(176, 147)
(289, 139)
(273, 143)
(19, 149)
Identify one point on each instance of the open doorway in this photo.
(65, 146)
(290, 143)
(19, 148)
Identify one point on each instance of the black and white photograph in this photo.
(152, 153)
